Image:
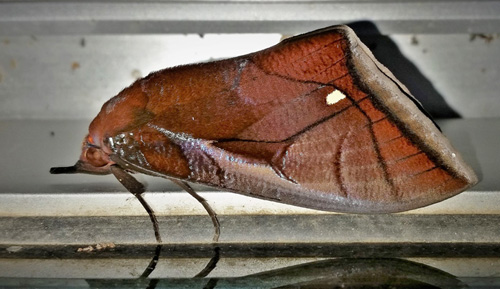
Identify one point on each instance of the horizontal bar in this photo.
(267, 229)
(64, 17)
(182, 204)
(238, 268)
(266, 267)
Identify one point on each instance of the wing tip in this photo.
(390, 94)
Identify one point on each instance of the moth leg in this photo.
(211, 264)
(211, 283)
(152, 264)
(185, 186)
(136, 188)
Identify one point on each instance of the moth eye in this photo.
(95, 157)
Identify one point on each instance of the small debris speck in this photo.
(86, 249)
(97, 247)
(102, 246)
(136, 73)
(14, 249)
(414, 40)
(488, 38)
(75, 65)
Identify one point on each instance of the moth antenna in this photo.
(79, 168)
(136, 188)
(64, 170)
(185, 186)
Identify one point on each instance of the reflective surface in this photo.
(325, 273)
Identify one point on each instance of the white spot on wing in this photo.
(334, 97)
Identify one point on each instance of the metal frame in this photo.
(44, 216)
(89, 17)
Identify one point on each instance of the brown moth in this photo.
(314, 121)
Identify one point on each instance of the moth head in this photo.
(93, 160)
(121, 113)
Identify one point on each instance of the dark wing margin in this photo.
(375, 146)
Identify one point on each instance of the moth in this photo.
(314, 121)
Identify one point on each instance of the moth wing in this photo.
(370, 150)
(342, 135)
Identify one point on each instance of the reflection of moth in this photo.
(354, 273)
(314, 121)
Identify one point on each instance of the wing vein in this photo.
(376, 148)
(338, 164)
(318, 50)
